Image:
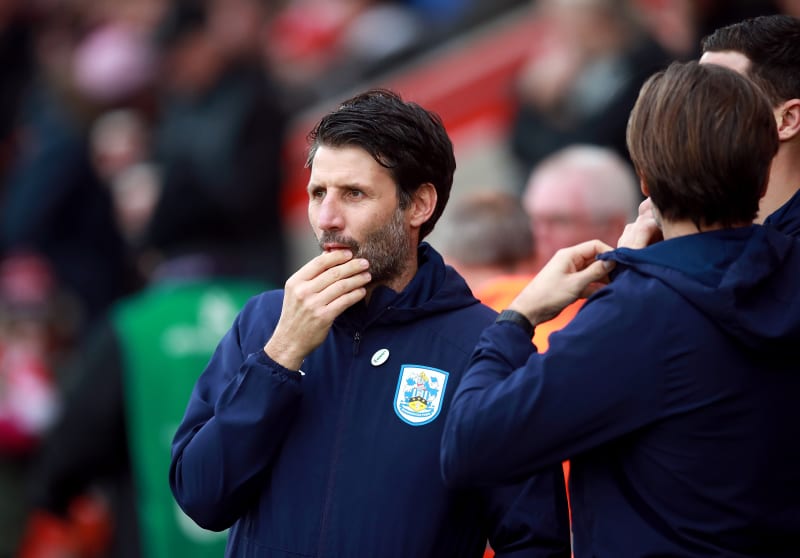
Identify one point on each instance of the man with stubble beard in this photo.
(315, 428)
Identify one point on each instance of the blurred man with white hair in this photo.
(579, 193)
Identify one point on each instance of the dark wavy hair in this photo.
(408, 140)
(702, 138)
(772, 44)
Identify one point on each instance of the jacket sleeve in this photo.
(237, 418)
(530, 519)
(600, 378)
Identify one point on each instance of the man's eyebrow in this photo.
(346, 186)
(357, 185)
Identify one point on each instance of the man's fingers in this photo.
(336, 274)
(344, 301)
(593, 277)
(643, 231)
(319, 264)
(646, 207)
(329, 269)
(639, 234)
(326, 305)
(585, 253)
(341, 288)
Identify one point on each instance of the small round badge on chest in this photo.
(380, 356)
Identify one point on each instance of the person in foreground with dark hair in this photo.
(766, 50)
(315, 428)
(674, 389)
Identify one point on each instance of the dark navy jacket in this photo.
(344, 461)
(787, 217)
(675, 392)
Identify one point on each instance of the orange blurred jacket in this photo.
(498, 294)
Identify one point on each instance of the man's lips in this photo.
(330, 246)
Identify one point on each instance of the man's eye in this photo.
(355, 194)
(317, 193)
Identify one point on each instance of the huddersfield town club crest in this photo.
(419, 393)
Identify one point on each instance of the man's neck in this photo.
(674, 229)
(784, 180)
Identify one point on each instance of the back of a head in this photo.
(408, 140)
(488, 229)
(702, 138)
(772, 44)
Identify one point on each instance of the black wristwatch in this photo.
(516, 318)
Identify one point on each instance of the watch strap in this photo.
(517, 318)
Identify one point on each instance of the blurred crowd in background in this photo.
(135, 132)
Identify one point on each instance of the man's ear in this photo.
(788, 119)
(423, 203)
(643, 187)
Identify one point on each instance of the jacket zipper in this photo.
(336, 457)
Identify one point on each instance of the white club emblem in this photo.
(419, 393)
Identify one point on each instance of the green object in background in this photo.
(167, 336)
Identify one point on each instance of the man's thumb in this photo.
(596, 271)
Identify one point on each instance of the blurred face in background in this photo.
(560, 214)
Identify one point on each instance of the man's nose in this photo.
(330, 215)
